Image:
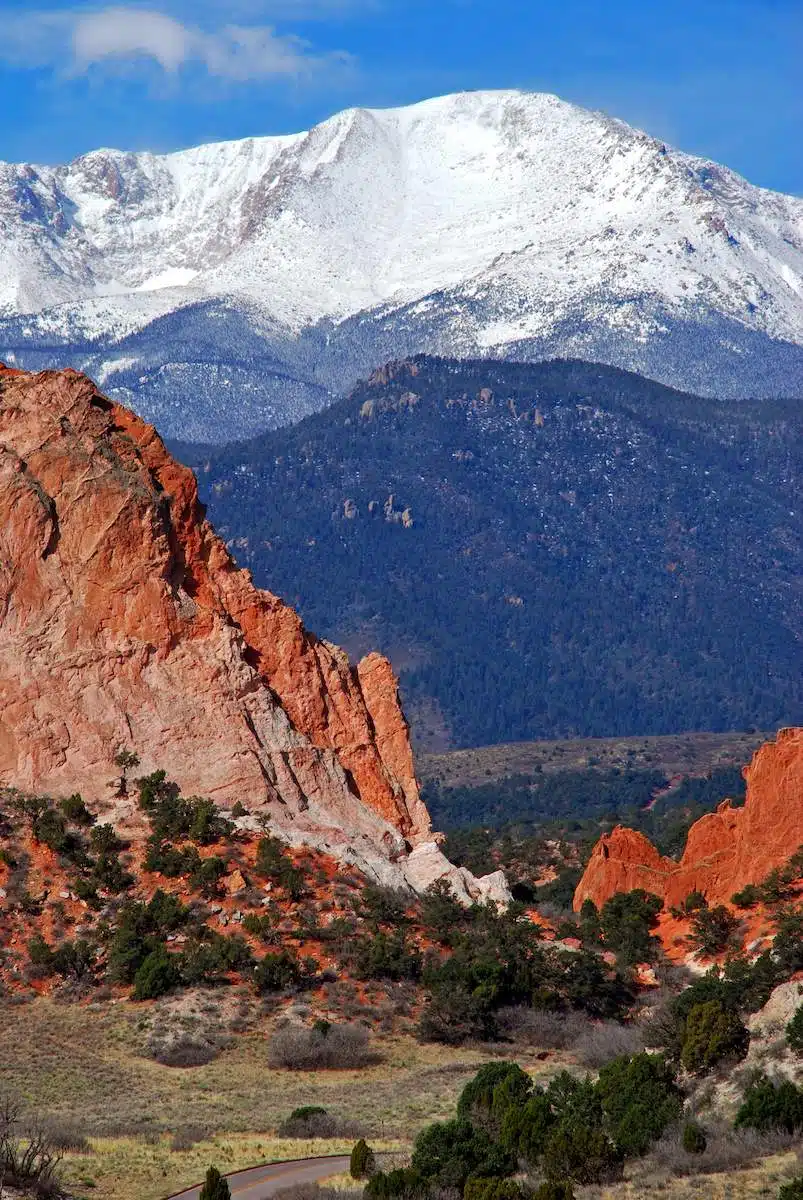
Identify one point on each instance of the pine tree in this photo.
(215, 1186)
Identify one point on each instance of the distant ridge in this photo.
(543, 550)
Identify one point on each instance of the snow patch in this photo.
(169, 278)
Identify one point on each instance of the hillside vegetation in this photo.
(543, 551)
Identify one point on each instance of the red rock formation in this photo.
(124, 622)
(725, 850)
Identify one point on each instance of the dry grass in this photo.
(759, 1181)
(136, 1169)
(88, 1066)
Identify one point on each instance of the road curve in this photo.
(257, 1183)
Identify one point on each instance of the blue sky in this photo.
(720, 78)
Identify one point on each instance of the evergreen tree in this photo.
(215, 1186)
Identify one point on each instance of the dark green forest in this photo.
(546, 550)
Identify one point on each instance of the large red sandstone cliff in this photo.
(724, 851)
(125, 623)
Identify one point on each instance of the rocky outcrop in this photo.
(725, 850)
(125, 623)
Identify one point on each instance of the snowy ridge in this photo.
(511, 211)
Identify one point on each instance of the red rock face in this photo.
(124, 622)
(725, 850)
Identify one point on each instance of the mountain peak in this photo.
(499, 222)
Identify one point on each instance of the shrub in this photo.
(384, 905)
(625, 923)
(277, 972)
(41, 954)
(794, 1032)
(299, 1048)
(590, 928)
(726, 1150)
(713, 1034)
(66, 1136)
(554, 1190)
(215, 1186)
(157, 974)
(210, 956)
(770, 1105)
(312, 1121)
(590, 985)
(386, 956)
(477, 1098)
(788, 945)
(70, 959)
(140, 930)
(74, 959)
(187, 1136)
(272, 862)
(186, 1050)
(525, 1128)
(542, 1028)
(712, 929)
(453, 1014)
(693, 1138)
(441, 913)
(447, 1153)
(599, 1044)
(29, 1159)
(639, 1098)
(400, 1184)
(748, 897)
(494, 1189)
(260, 925)
(103, 840)
(51, 831)
(363, 1161)
(582, 1153)
(792, 1190)
(76, 811)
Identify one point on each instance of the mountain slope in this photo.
(506, 223)
(542, 550)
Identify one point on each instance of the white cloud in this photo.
(126, 33)
(82, 38)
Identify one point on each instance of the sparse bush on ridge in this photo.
(713, 1034)
(794, 1032)
(312, 1121)
(301, 1048)
(726, 1149)
(772, 1105)
(712, 929)
(601, 1043)
(29, 1156)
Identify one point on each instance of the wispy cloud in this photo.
(80, 39)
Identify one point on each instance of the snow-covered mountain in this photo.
(238, 285)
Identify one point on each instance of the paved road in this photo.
(260, 1182)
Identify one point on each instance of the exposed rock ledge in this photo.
(124, 622)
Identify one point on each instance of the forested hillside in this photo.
(543, 551)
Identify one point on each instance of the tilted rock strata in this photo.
(725, 850)
(124, 622)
